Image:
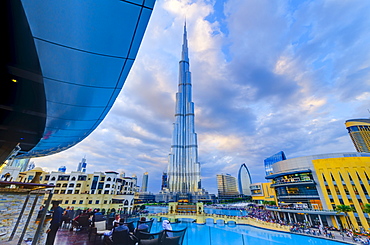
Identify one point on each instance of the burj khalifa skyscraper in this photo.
(184, 168)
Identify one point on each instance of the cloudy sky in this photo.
(267, 76)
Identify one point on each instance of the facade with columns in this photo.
(98, 190)
(308, 189)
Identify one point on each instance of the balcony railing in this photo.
(304, 210)
(295, 182)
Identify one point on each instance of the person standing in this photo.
(71, 213)
(54, 223)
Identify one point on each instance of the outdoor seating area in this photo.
(103, 233)
(100, 227)
(164, 237)
(81, 223)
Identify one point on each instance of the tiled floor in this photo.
(66, 237)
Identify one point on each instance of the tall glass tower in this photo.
(184, 168)
(144, 185)
(226, 185)
(244, 180)
(280, 156)
(82, 165)
(359, 131)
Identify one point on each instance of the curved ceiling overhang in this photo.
(85, 50)
(22, 93)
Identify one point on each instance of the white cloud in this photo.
(267, 76)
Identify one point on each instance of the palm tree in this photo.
(367, 208)
(345, 209)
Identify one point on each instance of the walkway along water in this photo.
(240, 220)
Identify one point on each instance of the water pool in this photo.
(221, 234)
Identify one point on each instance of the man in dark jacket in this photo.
(54, 223)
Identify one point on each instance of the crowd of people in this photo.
(305, 228)
(77, 219)
(74, 219)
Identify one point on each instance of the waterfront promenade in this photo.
(240, 220)
(66, 237)
(337, 236)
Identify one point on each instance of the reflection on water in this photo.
(221, 234)
(163, 209)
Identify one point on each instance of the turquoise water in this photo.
(158, 209)
(220, 234)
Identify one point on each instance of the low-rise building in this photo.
(98, 190)
(262, 192)
(144, 197)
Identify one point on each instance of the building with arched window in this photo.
(244, 180)
(81, 190)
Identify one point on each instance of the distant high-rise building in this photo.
(30, 166)
(62, 169)
(22, 164)
(82, 165)
(359, 131)
(144, 184)
(164, 182)
(244, 180)
(226, 185)
(184, 168)
(134, 179)
(280, 156)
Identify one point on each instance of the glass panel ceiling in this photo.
(73, 113)
(86, 50)
(85, 25)
(72, 94)
(78, 67)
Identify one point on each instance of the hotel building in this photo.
(106, 190)
(226, 185)
(244, 180)
(359, 131)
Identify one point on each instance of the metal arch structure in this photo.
(65, 63)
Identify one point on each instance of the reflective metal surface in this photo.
(86, 50)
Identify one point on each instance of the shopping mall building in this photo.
(308, 189)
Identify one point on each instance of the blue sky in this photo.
(267, 76)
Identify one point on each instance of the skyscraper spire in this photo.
(184, 168)
(185, 54)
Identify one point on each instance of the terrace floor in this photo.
(66, 237)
